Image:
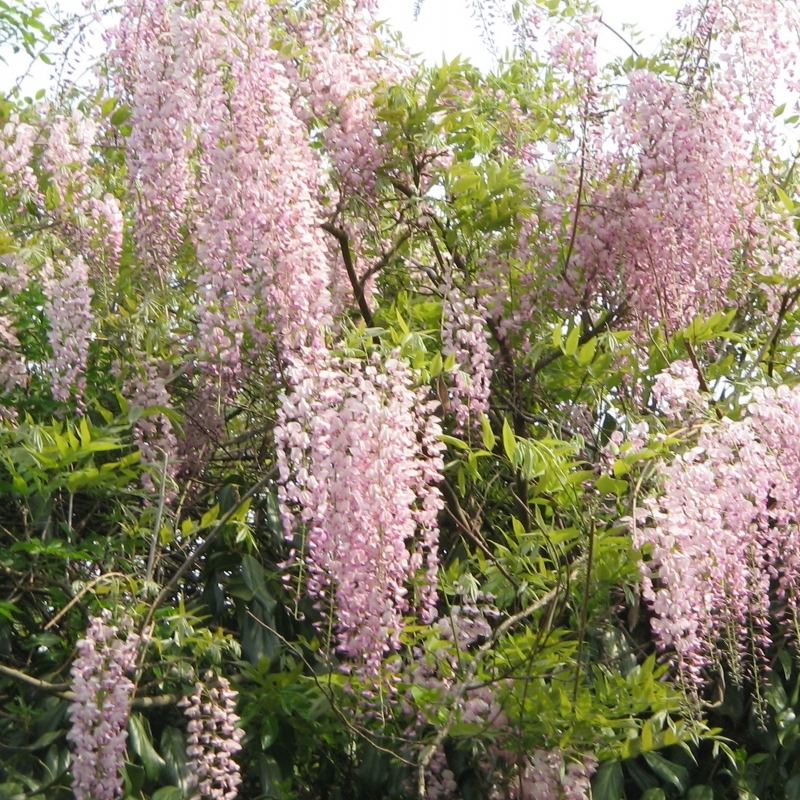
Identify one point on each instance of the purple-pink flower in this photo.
(723, 542)
(214, 738)
(100, 708)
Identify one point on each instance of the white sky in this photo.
(444, 27)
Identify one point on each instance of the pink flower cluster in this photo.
(723, 548)
(59, 149)
(69, 311)
(464, 336)
(13, 368)
(152, 433)
(214, 738)
(337, 82)
(100, 708)
(90, 215)
(677, 389)
(16, 156)
(666, 228)
(660, 203)
(359, 459)
(241, 186)
(548, 775)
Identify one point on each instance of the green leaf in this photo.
(509, 440)
(459, 444)
(655, 793)
(107, 106)
(210, 516)
(85, 434)
(122, 114)
(647, 735)
(788, 204)
(167, 793)
(607, 485)
(142, 745)
(557, 335)
(173, 748)
(270, 774)
(487, 434)
(673, 773)
(134, 778)
(7, 610)
(608, 782)
(700, 792)
(253, 577)
(586, 353)
(571, 345)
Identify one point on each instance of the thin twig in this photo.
(43, 686)
(151, 557)
(603, 325)
(192, 559)
(328, 696)
(460, 689)
(89, 586)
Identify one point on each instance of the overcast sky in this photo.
(445, 26)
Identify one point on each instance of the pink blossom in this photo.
(723, 544)
(69, 311)
(214, 738)
(359, 460)
(464, 336)
(677, 389)
(100, 708)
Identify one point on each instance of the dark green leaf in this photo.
(608, 782)
(167, 793)
(673, 773)
(142, 745)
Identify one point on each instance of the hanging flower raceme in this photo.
(214, 738)
(359, 458)
(724, 544)
(46, 163)
(341, 72)
(69, 310)
(464, 337)
(657, 209)
(241, 187)
(100, 708)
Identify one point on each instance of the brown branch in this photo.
(43, 686)
(327, 693)
(464, 523)
(788, 301)
(89, 586)
(574, 231)
(63, 690)
(402, 187)
(350, 267)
